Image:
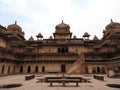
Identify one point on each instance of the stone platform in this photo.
(33, 85)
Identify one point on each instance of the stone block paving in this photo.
(32, 85)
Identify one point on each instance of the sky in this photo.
(41, 16)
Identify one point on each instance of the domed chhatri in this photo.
(39, 36)
(62, 28)
(62, 31)
(112, 25)
(113, 28)
(86, 35)
(62, 25)
(14, 27)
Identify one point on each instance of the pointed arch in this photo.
(29, 69)
(63, 68)
(21, 69)
(63, 50)
(3, 68)
(59, 50)
(93, 70)
(98, 69)
(66, 49)
(43, 69)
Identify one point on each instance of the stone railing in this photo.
(76, 66)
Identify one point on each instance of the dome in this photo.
(95, 38)
(62, 28)
(39, 35)
(50, 37)
(31, 39)
(62, 25)
(86, 34)
(74, 37)
(112, 25)
(14, 27)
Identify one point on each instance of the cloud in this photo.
(36, 16)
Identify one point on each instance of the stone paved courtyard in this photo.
(32, 85)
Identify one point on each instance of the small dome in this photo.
(14, 27)
(86, 34)
(50, 37)
(74, 37)
(112, 25)
(31, 39)
(95, 38)
(2, 27)
(39, 35)
(62, 25)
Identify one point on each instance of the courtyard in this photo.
(33, 84)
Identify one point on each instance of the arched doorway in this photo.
(63, 50)
(8, 69)
(36, 69)
(2, 71)
(21, 69)
(14, 69)
(66, 49)
(93, 70)
(98, 69)
(86, 70)
(63, 68)
(58, 50)
(29, 69)
(43, 69)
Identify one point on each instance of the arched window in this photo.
(66, 49)
(21, 69)
(63, 50)
(58, 50)
(63, 68)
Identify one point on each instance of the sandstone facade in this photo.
(62, 53)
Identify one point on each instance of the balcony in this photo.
(52, 56)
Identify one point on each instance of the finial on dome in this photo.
(62, 21)
(15, 22)
(111, 21)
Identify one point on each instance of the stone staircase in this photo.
(78, 67)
